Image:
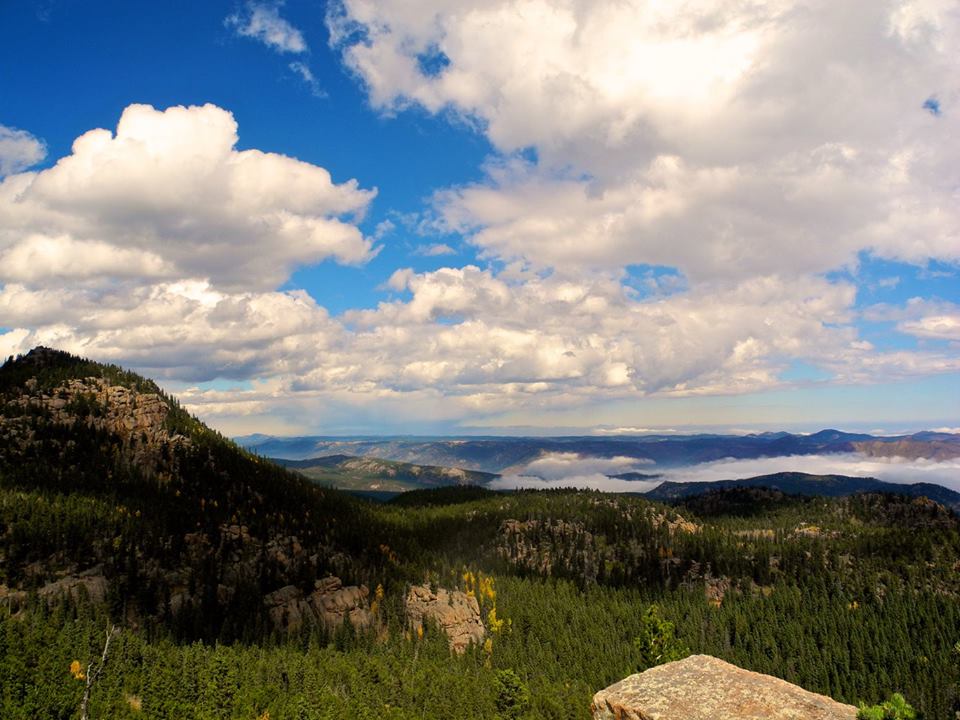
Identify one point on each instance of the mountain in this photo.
(109, 486)
(796, 483)
(347, 472)
(498, 454)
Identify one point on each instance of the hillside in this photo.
(245, 590)
(347, 472)
(795, 483)
(107, 483)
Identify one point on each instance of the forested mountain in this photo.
(795, 483)
(244, 590)
(366, 473)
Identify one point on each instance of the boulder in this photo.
(457, 613)
(705, 688)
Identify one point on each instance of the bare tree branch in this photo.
(93, 671)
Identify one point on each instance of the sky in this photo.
(496, 216)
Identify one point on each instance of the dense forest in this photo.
(853, 597)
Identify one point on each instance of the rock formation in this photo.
(705, 688)
(90, 583)
(330, 604)
(457, 613)
(136, 419)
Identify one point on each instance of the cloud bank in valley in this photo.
(564, 471)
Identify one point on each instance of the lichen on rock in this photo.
(701, 687)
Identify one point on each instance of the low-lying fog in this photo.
(565, 470)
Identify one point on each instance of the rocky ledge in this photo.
(705, 688)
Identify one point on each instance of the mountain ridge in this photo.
(496, 454)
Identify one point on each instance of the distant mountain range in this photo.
(499, 454)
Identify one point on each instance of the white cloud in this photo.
(19, 150)
(923, 318)
(725, 139)
(168, 194)
(434, 250)
(184, 330)
(893, 470)
(261, 21)
(44, 258)
(560, 465)
(939, 327)
(633, 430)
(596, 481)
(304, 72)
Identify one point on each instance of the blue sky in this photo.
(525, 216)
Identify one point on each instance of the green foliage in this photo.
(896, 708)
(658, 643)
(513, 697)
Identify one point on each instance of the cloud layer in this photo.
(892, 470)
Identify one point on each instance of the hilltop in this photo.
(347, 472)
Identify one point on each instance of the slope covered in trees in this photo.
(142, 516)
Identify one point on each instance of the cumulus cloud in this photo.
(19, 150)
(167, 194)
(722, 139)
(261, 21)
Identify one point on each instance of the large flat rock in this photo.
(705, 688)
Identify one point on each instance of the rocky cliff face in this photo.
(553, 546)
(330, 604)
(457, 614)
(705, 688)
(137, 420)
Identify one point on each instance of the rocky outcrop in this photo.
(455, 612)
(550, 546)
(705, 688)
(330, 604)
(137, 419)
(90, 584)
